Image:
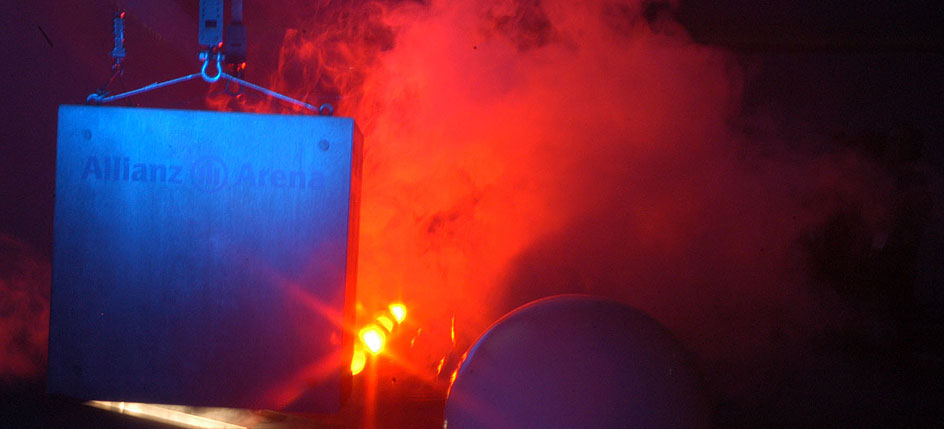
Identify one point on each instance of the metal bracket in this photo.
(211, 36)
(207, 58)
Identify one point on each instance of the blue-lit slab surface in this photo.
(203, 258)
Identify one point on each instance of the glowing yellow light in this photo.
(398, 311)
(452, 331)
(385, 322)
(440, 367)
(358, 361)
(373, 337)
(452, 381)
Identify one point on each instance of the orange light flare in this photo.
(298, 294)
(305, 305)
(373, 338)
(430, 357)
(358, 361)
(386, 322)
(455, 373)
(379, 340)
(452, 330)
(409, 367)
(398, 311)
(440, 366)
(452, 381)
(296, 385)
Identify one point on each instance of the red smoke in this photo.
(24, 309)
(518, 149)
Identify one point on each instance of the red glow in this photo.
(398, 311)
(452, 330)
(386, 323)
(440, 366)
(518, 149)
(358, 361)
(24, 287)
(293, 387)
(373, 338)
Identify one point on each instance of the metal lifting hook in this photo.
(219, 67)
(211, 38)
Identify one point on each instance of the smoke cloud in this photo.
(24, 310)
(518, 149)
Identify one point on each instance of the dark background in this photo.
(865, 74)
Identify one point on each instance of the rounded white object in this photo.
(574, 361)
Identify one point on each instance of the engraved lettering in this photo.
(246, 176)
(158, 170)
(296, 178)
(92, 167)
(262, 175)
(174, 172)
(277, 178)
(140, 173)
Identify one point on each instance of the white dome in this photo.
(576, 362)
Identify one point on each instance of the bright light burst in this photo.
(358, 361)
(386, 323)
(373, 338)
(398, 311)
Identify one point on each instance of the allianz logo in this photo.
(208, 174)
